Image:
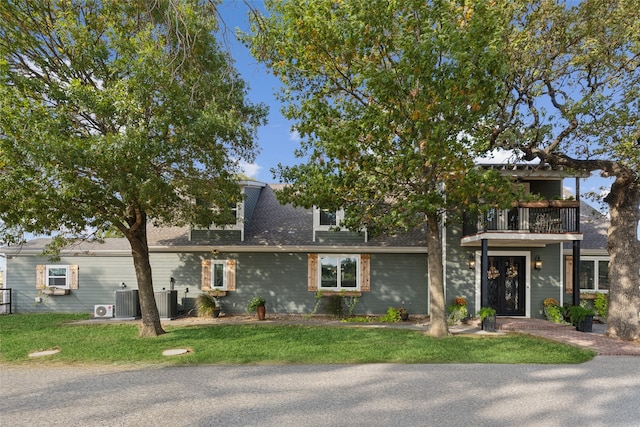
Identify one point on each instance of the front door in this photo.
(507, 285)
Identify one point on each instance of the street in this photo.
(603, 392)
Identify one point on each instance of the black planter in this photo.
(586, 325)
(489, 324)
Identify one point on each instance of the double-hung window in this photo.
(219, 275)
(339, 272)
(57, 276)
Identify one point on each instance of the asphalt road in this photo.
(603, 392)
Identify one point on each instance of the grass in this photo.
(261, 344)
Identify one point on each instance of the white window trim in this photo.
(339, 288)
(316, 221)
(596, 273)
(222, 262)
(67, 276)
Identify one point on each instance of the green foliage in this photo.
(578, 313)
(388, 98)
(205, 304)
(255, 302)
(553, 314)
(117, 344)
(334, 307)
(113, 113)
(601, 304)
(392, 315)
(486, 312)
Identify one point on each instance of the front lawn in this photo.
(261, 344)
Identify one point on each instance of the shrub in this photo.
(601, 304)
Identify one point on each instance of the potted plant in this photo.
(569, 202)
(488, 319)
(582, 318)
(257, 304)
(457, 311)
(552, 311)
(207, 305)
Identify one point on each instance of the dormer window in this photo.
(326, 220)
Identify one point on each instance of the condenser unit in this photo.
(127, 304)
(103, 310)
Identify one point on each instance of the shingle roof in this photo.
(273, 225)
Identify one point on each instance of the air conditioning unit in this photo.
(103, 310)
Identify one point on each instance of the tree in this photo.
(387, 96)
(572, 101)
(115, 114)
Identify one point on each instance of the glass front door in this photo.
(507, 283)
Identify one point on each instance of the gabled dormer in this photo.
(327, 225)
(241, 214)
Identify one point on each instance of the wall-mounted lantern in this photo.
(471, 262)
(537, 264)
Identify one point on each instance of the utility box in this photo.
(167, 302)
(127, 304)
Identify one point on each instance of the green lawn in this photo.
(261, 344)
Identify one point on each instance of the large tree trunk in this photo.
(437, 309)
(137, 236)
(624, 253)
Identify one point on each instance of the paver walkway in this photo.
(596, 340)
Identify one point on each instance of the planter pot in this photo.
(261, 311)
(55, 291)
(216, 312)
(586, 325)
(404, 316)
(564, 203)
(534, 204)
(489, 324)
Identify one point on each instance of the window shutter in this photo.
(206, 275)
(365, 272)
(312, 273)
(73, 277)
(41, 279)
(231, 274)
(568, 274)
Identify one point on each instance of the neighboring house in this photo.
(288, 254)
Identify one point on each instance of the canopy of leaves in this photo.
(573, 89)
(388, 97)
(109, 108)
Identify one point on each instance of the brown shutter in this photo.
(206, 275)
(73, 277)
(568, 274)
(365, 273)
(312, 273)
(41, 279)
(231, 274)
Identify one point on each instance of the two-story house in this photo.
(288, 254)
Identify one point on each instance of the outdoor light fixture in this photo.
(537, 264)
(472, 262)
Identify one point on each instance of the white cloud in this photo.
(250, 169)
(294, 135)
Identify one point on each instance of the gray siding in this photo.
(252, 194)
(280, 277)
(342, 237)
(98, 279)
(216, 236)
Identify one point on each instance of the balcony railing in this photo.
(524, 220)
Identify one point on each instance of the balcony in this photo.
(542, 222)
